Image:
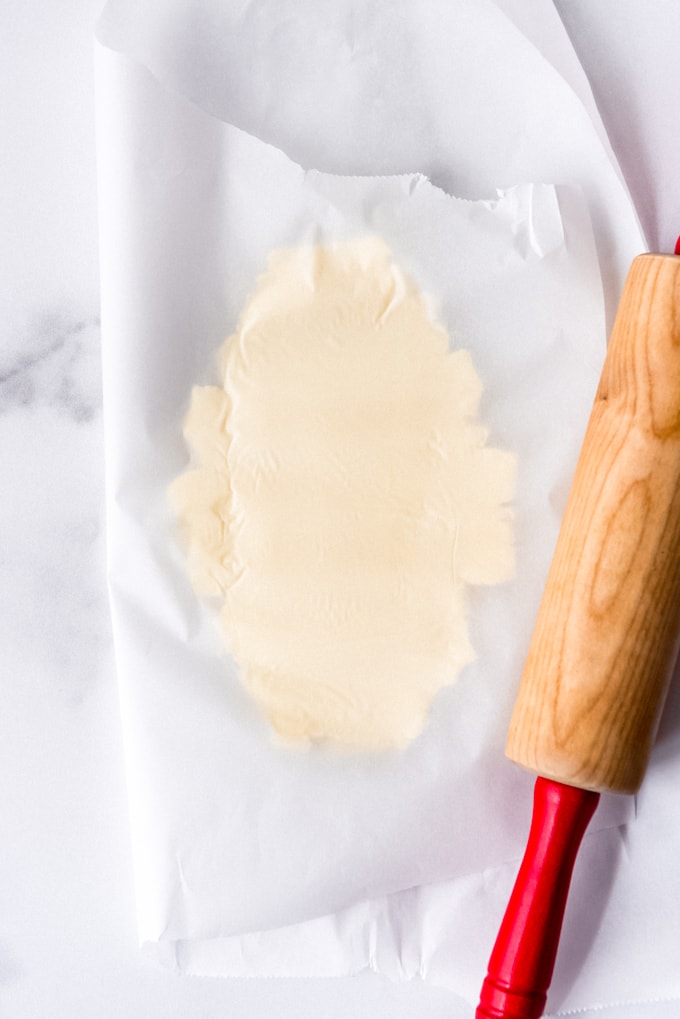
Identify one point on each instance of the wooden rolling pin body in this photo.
(605, 639)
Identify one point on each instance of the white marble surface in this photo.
(67, 931)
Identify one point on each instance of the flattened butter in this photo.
(343, 498)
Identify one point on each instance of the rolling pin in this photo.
(606, 635)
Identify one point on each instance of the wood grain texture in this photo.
(606, 635)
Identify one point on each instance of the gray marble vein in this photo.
(53, 605)
(56, 364)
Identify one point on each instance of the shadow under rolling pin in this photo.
(606, 635)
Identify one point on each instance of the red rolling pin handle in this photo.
(522, 961)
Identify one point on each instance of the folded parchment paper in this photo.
(251, 859)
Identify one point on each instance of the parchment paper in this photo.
(249, 859)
